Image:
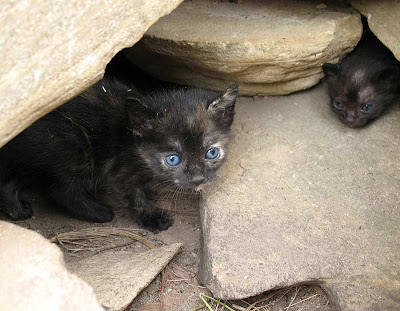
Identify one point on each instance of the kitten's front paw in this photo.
(100, 213)
(155, 221)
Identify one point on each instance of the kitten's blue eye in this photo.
(172, 159)
(338, 105)
(366, 107)
(212, 153)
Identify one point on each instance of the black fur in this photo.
(367, 77)
(108, 147)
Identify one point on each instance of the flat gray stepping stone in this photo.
(118, 277)
(303, 198)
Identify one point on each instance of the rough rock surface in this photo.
(383, 19)
(274, 47)
(118, 277)
(303, 198)
(33, 275)
(52, 50)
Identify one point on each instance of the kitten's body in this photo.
(109, 146)
(364, 83)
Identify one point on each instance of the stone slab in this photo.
(118, 277)
(33, 275)
(52, 50)
(383, 19)
(268, 47)
(303, 198)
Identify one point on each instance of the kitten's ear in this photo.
(141, 117)
(223, 107)
(225, 101)
(330, 70)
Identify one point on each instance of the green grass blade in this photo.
(215, 300)
(205, 301)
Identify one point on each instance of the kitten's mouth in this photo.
(199, 187)
(354, 124)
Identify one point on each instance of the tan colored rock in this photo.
(51, 50)
(118, 277)
(384, 21)
(302, 198)
(267, 47)
(33, 275)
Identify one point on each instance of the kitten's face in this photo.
(186, 162)
(355, 107)
(356, 98)
(186, 148)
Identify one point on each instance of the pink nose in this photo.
(351, 115)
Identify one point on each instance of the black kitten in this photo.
(110, 146)
(364, 83)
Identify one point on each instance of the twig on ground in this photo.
(237, 307)
(287, 308)
(294, 297)
(93, 234)
(113, 247)
(268, 298)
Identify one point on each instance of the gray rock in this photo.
(383, 19)
(118, 277)
(53, 50)
(303, 198)
(33, 275)
(270, 47)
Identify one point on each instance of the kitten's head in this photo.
(360, 96)
(183, 134)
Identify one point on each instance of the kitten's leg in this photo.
(10, 204)
(74, 197)
(146, 214)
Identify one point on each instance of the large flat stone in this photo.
(118, 277)
(269, 47)
(383, 19)
(33, 275)
(52, 50)
(303, 198)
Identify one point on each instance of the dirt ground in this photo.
(176, 288)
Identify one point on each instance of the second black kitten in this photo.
(112, 147)
(364, 83)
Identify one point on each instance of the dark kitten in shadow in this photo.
(364, 83)
(112, 147)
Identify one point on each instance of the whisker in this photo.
(163, 191)
(180, 194)
(158, 184)
(168, 193)
(176, 194)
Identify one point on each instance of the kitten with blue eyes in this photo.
(112, 147)
(364, 83)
